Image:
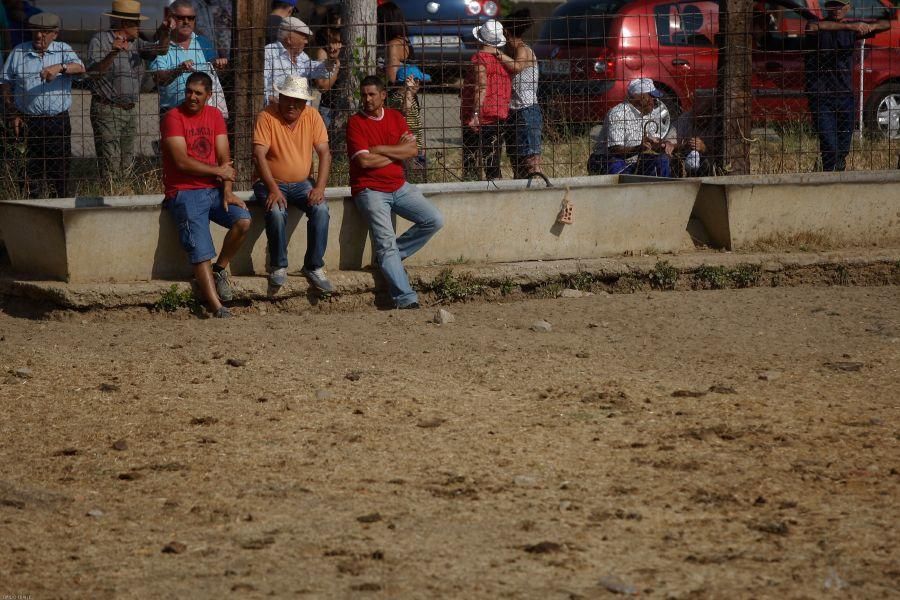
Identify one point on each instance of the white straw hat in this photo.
(490, 34)
(295, 87)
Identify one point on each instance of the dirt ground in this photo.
(711, 444)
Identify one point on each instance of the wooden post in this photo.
(734, 98)
(359, 31)
(247, 52)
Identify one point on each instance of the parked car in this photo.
(82, 19)
(440, 31)
(590, 49)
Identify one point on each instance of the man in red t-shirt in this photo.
(378, 141)
(198, 175)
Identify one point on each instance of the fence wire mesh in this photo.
(817, 96)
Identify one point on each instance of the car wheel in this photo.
(882, 111)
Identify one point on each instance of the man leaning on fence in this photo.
(116, 66)
(37, 92)
(631, 139)
(185, 55)
(829, 47)
(378, 141)
(286, 57)
(284, 138)
(198, 176)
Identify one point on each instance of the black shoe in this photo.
(410, 306)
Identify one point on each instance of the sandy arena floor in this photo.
(722, 444)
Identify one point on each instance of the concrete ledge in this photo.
(133, 239)
(841, 209)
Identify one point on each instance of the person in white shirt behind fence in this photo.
(286, 57)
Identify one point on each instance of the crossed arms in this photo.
(382, 156)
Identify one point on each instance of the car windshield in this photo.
(580, 23)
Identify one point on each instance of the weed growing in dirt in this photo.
(582, 280)
(714, 278)
(664, 276)
(172, 299)
(449, 287)
(746, 275)
(842, 275)
(507, 286)
(550, 290)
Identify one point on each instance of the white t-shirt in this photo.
(624, 125)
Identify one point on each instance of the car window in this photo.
(868, 9)
(776, 28)
(582, 23)
(687, 24)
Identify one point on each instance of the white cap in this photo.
(490, 34)
(644, 85)
(294, 24)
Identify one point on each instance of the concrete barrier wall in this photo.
(842, 209)
(133, 238)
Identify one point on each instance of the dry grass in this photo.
(806, 241)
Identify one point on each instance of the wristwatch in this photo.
(65, 68)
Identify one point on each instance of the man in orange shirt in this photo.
(284, 138)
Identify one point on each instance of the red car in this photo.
(590, 49)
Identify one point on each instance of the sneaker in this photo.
(223, 285)
(222, 313)
(278, 277)
(410, 306)
(318, 280)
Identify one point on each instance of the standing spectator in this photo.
(214, 20)
(630, 140)
(37, 93)
(185, 55)
(394, 50)
(198, 178)
(19, 13)
(525, 122)
(116, 65)
(281, 9)
(829, 45)
(286, 57)
(284, 138)
(378, 141)
(485, 104)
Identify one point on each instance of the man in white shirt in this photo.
(632, 139)
(286, 57)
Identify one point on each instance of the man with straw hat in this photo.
(284, 138)
(115, 62)
(37, 91)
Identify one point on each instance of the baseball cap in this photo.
(644, 85)
(413, 71)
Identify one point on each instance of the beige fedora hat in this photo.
(295, 87)
(126, 9)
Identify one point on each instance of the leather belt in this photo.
(108, 102)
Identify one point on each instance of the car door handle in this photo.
(680, 62)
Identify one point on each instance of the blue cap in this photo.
(413, 71)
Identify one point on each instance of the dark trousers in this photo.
(48, 146)
(833, 120)
(481, 148)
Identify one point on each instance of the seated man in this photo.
(284, 138)
(378, 141)
(630, 140)
(198, 175)
(692, 135)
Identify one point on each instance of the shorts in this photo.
(527, 124)
(192, 211)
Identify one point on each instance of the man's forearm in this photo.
(262, 166)
(324, 170)
(396, 152)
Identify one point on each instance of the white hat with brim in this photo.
(294, 24)
(126, 10)
(295, 87)
(644, 85)
(490, 34)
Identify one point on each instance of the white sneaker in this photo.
(318, 279)
(278, 277)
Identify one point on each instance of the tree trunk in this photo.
(249, 41)
(359, 39)
(734, 98)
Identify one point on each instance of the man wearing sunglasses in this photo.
(185, 55)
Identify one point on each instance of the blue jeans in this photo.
(409, 203)
(317, 218)
(522, 134)
(647, 164)
(833, 118)
(192, 211)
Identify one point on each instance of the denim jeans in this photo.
(409, 203)
(317, 218)
(192, 211)
(833, 118)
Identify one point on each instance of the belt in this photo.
(106, 101)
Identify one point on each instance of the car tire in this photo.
(882, 111)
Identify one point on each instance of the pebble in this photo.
(95, 512)
(564, 506)
(323, 395)
(370, 518)
(235, 362)
(616, 585)
(430, 422)
(582, 355)
(108, 387)
(443, 316)
(543, 548)
(174, 548)
(120, 445)
(524, 481)
(23, 373)
(353, 376)
(770, 375)
(571, 293)
(541, 326)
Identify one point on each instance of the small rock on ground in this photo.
(23, 373)
(443, 316)
(174, 548)
(616, 585)
(430, 422)
(236, 362)
(770, 375)
(120, 445)
(541, 326)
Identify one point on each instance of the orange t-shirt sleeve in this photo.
(262, 131)
(319, 133)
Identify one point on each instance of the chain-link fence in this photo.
(816, 92)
